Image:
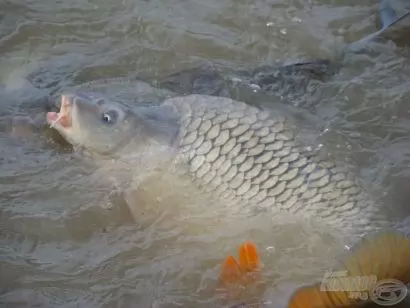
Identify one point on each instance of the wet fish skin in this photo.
(249, 156)
(245, 156)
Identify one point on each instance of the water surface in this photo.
(68, 240)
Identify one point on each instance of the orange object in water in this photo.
(237, 272)
(231, 272)
(248, 257)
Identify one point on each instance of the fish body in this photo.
(245, 156)
(249, 156)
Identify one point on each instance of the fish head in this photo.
(90, 121)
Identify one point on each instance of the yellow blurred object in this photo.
(383, 259)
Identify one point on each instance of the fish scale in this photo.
(250, 156)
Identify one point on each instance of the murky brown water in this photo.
(68, 240)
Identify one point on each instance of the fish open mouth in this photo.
(62, 118)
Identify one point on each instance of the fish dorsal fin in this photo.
(388, 19)
(387, 14)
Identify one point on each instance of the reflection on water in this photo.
(67, 236)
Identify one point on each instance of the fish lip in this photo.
(62, 119)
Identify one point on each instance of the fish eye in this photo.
(109, 117)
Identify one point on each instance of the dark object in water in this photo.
(292, 80)
(289, 82)
(286, 80)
